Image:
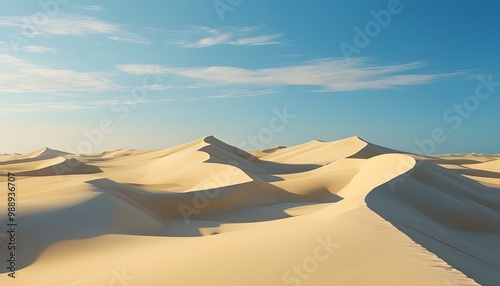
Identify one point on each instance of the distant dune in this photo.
(347, 212)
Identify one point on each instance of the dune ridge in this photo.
(211, 209)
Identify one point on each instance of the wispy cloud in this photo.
(53, 106)
(37, 107)
(63, 105)
(6, 47)
(18, 76)
(234, 93)
(74, 25)
(130, 38)
(38, 49)
(58, 106)
(90, 7)
(258, 40)
(330, 75)
(202, 36)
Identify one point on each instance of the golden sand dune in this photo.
(45, 153)
(47, 167)
(346, 212)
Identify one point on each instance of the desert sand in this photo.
(346, 212)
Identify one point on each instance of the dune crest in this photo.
(44, 153)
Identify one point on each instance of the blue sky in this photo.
(91, 76)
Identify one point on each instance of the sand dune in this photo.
(44, 153)
(346, 212)
(46, 167)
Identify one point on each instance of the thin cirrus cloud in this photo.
(42, 107)
(38, 49)
(328, 75)
(54, 106)
(73, 25)
(7, 47)
(202, 36)
(232, 93)
(19, 76)
(91, 7)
